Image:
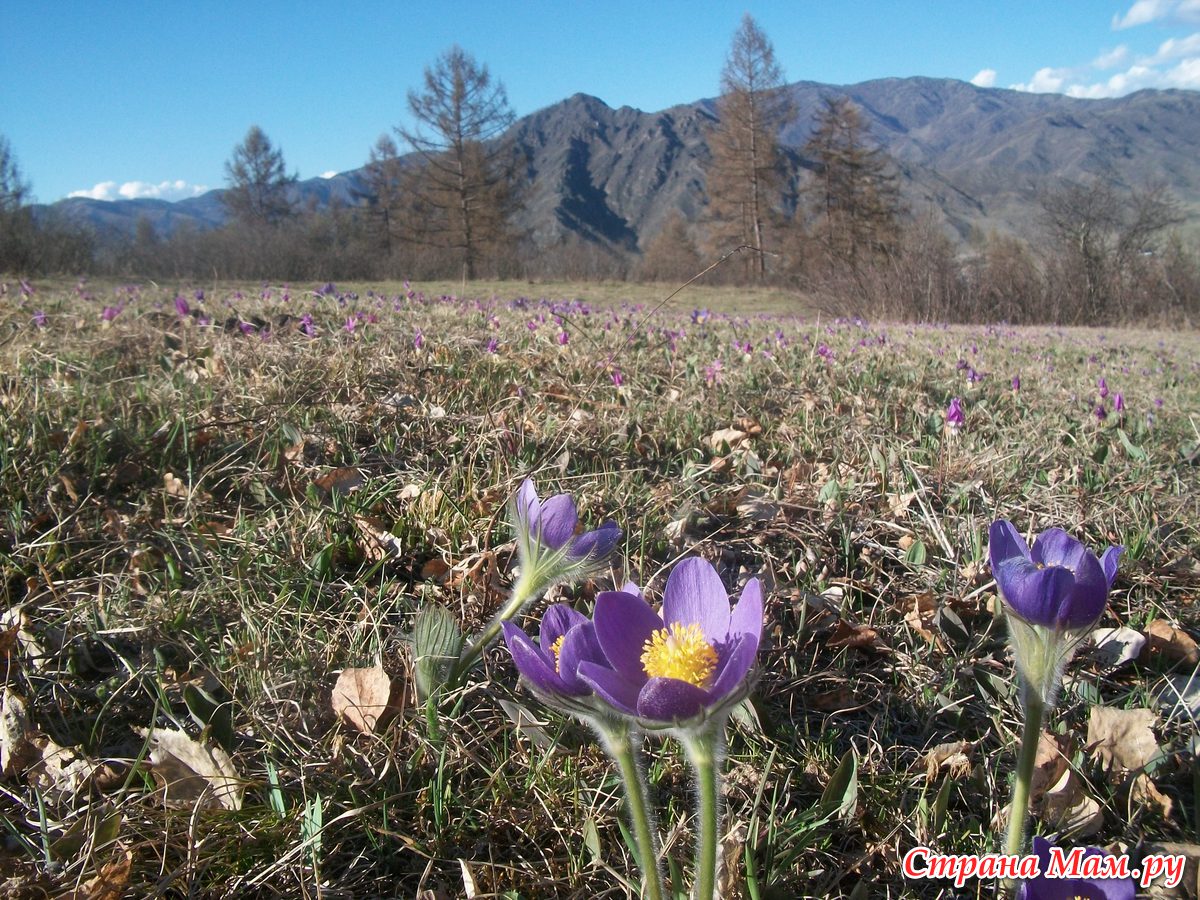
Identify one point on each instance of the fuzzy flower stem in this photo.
(703, 748)
(618, 740)
(523, 592)
(1034, 711)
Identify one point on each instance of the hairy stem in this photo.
(619, 741)
(1034, 711)
(704, 752)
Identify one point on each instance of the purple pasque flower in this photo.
(1047, 887)
(550, 667)
(1058, 583)
(549, 544)
(39, 318)
(954, 414)
(692, 661)
(182, 307)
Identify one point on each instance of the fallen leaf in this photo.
(731, 882)
(1162, 639)
(470, 888)
(1116, 647)
(921, 618)
(1049, 764)
(839, 698)
(61, 770)
(855, 637)
(1122, 739)
(1145, 791)
(110, 882)
(378, 543)
(339, 482)
(174, 486)
(16, 749)
(190, 773)
(954, 755)
(1070, 810)
(366, 698)
(731, 437)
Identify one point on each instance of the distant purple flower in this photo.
(418, 339)
(1103, 387)
(199, 295)
(973, 377)
(824, 352)
(1100, 412)
(110, 312)
(712, 372)
(1045, 887)
(617, 378)
(492, 345)
(27, 290)
(700, 316)
(563, 337)
(39, 319)
(351, 324)
(692, 660)
(954, 414)
(1119, 402)
(1016, 383)
(181, 306)
(1058, 584)
(306, 325)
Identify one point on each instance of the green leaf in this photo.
(940, 805)
(437, 643)
(210, 714)
(1131, 449)
(915, 555)
(830, 491)
(840, 796)
(591, 840)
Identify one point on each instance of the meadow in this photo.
(215, 500)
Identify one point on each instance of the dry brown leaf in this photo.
(378, 543)
(1049, 764)
(1145, 791)
(921, 618)
(190, 773)
(470, 888)
(731, 882)
(1122, 739)
(954, 755)
(110, 882)
(733, 437)
(16, 749)
(855, 637)
(1172, 643)
(365, 698)
(174, 487)
(61, 770)
(339, 482)
(1069, 809)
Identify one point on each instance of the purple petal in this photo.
(747, 616)
(597, 544)
(533, 664)
(1109, 561)
(694, 595)
(1054, 547)
(610, 687)
(1090, 596)
(558, 620)
(527, 504)
(1036, 595)
(630, 588)
(1005, 542)
(624, 622)
(579, 646)
(556, 523)
(734, 667)
(670, 700)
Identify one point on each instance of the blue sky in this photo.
(149, 98)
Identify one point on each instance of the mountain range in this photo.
(978, 158)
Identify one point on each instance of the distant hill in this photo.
(977, 156)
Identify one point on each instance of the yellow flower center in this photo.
(556, 648)
(679, 651)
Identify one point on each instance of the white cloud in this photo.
(1045, 81)
(1110, 59)
(1173, 48)
(328, 174)
(1145, 11)
(135, 190)
(984, 78)
(1185, 75)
